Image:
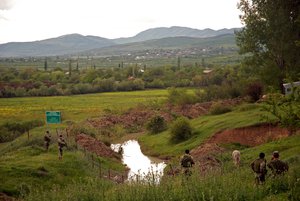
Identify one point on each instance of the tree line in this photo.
(34, 82)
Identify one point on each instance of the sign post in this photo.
(53, 117)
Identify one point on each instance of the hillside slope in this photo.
(62, 45)
(179, 37)
(174, 31)
(171, 43)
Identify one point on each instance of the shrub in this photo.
(105, 84)
(181, 130)
(11, 130)
(254, 91)
(156, 124)
(181, 97)
(219, 108)
(156, 83)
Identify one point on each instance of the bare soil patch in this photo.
(138, 117)
(249, 136)
(4, 197)
(93, 145)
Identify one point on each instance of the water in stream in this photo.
(141, 167)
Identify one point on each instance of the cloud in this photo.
(6, 4)
(2, 17)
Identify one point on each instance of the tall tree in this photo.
(70, 68)
(45, 64)
(270, 34)
(178, 63)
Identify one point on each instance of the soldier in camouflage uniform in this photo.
(61, 143)
(187, 162)
(47, 140)
(259, 166)
(278, 167)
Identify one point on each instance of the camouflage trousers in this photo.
(260, 178)
(186, 171)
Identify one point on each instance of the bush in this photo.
(156, 83)
(181, 97)
(219, 108)
(11, 130)
(156, 124)
(254, 91)
(181, 130)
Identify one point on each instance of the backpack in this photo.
(46, 138)
(186, 161)
(260, 166)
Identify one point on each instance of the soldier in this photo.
(187, 162)
(47, 139)
(259, 166)
(277, 166)
(61, 143)
(236, 156)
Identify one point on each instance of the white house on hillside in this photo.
(288, 87)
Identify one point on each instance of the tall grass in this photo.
(229, 183)
(234, 184)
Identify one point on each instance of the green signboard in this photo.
(53, 117)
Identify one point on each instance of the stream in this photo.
(142, 168)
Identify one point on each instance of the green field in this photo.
(75, 108)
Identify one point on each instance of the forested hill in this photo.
(175, 31)
(168, 45)
(66, 44)
(75, 43)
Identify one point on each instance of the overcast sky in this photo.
(29, 20)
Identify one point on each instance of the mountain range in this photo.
(152, 38)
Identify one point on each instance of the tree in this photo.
(181, 130)
(70, 68)
(285, 109)
(46, 65)
(178, 63)
(271, 32)
(156, 124)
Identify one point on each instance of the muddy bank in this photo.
(250, 136)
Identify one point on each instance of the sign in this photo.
(53, 117)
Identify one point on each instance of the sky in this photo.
(31, 20)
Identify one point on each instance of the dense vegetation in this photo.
(271, 35)
(31, 82)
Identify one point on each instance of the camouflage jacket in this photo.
(187, 160)
(278, 167)
(61, 142)
(259, 166)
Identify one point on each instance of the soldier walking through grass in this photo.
(47, 140)
(259, 167)
(187, 162)
(236, 156)
(277, 166)
(61, 143)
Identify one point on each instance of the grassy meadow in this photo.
(204, 127)
(30, 173)
(75, 108)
